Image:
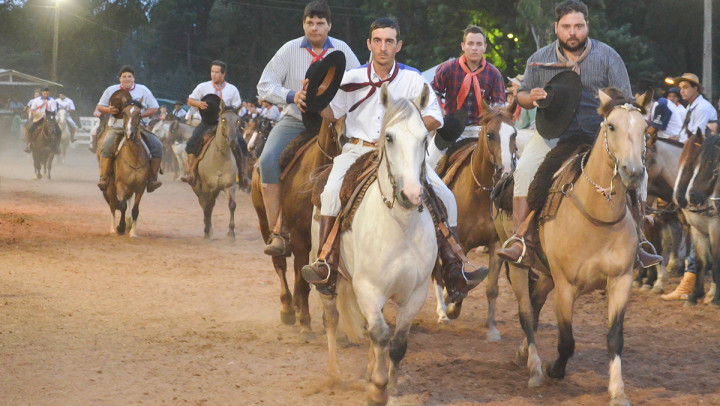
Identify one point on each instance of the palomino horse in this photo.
(131, 167)
(492, 158)
(402, 241)
(697, 192)
(42, 146)
(297, 208)
(217, 171)
(61, 118)
(590, 243)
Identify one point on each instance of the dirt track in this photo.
(89, 318)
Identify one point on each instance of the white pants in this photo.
(70, 121)
(434, 154)
(330, 197)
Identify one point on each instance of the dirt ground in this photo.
(87, 318)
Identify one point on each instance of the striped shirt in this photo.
(284, 74)
(602, 68)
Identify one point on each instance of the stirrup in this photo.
(647, 243)
(286, 248)
(522, 241)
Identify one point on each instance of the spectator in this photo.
(666, 119)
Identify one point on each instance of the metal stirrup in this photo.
(322, 262)
(647, 243)
(522, 241)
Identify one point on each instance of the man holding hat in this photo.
(699, 110)
(359, 101)
(597, 66)
(224, 91)
(282, 84)
(115, 127)
(38, 107)
(463, 83)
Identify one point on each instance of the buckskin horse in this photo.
(217, 170)
(389, 252)
(61, 118)
(590, 243)
(298, 163)
(471, 169)
(697, 192)
(42, 146)
(131, 166)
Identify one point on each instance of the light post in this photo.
(55, 41)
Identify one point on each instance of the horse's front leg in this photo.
(379, 337)
(491, 291)
(440, 307)
(231, 206)
(618, 294)
(564, 302)
(301, 290)
(398, 344)
(527, 353)
(135, 213)
(208, 206)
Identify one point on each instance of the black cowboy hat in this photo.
(118, 100)
(452, 129)
(324, 77)
(556, 111)
(211, 114)
(312, 122)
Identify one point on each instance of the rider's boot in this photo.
(522, 244)
(190, 167)
(323, 272)
(645, 258)
(28, 141)
(153, 182)
(278, 244)
(72, 134)
(105, 169)
(457, 281)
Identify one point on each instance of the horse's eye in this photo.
(611, 127)
(388, 138)
(223, 120)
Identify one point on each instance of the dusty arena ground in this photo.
(92, 319)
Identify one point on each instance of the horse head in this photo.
(402, 144)
(61, 117)
(705, 172)
(229, 126)
(686, 165)
(623, 130)
(131, 112)
(499, 135)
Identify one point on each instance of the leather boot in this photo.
(521, 244)
(323, 272)
(28, 141)
(457, 281)
(241, 163)
(685, 288)
(105, 169)
(646, 259)
(72, 134)
(190, 166)
(153, 182)
(278, 244)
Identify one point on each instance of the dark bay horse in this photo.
(697, 192)
(42, 146)
(590, 243)
(492, 158)
(296, 210)
(131, 167)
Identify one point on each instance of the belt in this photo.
(364, 143)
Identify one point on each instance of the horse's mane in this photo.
(709, 149)
(493, 113)
(674, 143)
(617, 99)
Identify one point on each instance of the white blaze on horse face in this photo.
(506, 133)
(406, 154)
(128, 126)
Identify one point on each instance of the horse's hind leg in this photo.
(287, 313)
(231, 207)
(398, 344)
(491, 290)
(208, 206)
(618, 293)
(330, 322)
(440, 308)
(301, 290)
(564, 302)
(379, 339)
(703, 257)
(135, 214)
(527, 353)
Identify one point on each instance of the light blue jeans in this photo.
(280, 136)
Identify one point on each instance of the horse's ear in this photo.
(222, 105)
(652, 139)
(510, 107)
(700, 136)
(339, 126)
(604, 97)
(422, 100)
(384, 95)
(645, 99)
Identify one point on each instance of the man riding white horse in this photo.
(115, 127)
(66, 103)
(359, 100)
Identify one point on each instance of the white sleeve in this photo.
(433, 107)
(150, 102)
(197, 93)
(105, 98)
(235, 100)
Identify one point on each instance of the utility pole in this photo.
(707, 51)
(55, 41)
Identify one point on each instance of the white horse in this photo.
(61, 119)
(389, 252)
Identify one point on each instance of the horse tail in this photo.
(352, 322)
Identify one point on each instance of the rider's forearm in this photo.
(192, 102)
(104, 109)
(430, 123)
(148, 113)
(524, 100)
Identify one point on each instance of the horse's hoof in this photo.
(715, 303)
(306, 335)
(453, 310)
(620, 401)
(376, 396)
(443, 319)
(535, 381)
(658, 289)
(521, 357)
(288, 318)
(689, 304)
(636, 285)
(493, 335)
(549, 370)
(646, 288)
(231, 235)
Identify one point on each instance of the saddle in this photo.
(295, 149)
(454, 159)
(207, 138)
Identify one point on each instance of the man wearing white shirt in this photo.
(665, 119)
(219, 87)
(699, 110)
(179, 112)
(270, 111)
(114, 127)
(37, 109)
(359, 101)
(66, 103)
(281, 84)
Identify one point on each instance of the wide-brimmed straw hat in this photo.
(556, 111)
(688, 77)
(324, 77)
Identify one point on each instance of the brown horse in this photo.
(42, 146)
(590, 243)
(491, 159)
(131, 167)
(297, 208)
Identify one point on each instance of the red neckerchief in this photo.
(43, 106)
(471, 78)
(315, 56)
(351, 87)
(218, 90)
(517, 113)
(129, 90)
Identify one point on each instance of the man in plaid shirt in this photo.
(464, 82)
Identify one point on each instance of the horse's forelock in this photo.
(493, 117)
(398, 110)
(709, 149)
(618, 98)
